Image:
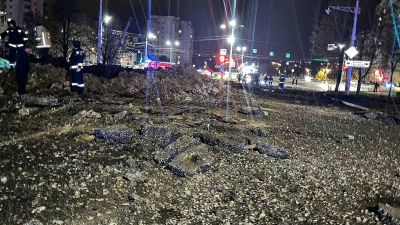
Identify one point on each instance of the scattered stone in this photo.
(251, 111)
(160, 135)
(350, 137)
(21, 192)
(272, 151)
(3, 180)
(171, 151)
(387, 214)
(1, 91)
(196, 159)
(39, 101)
(260, 131)
(115, 133)
(133, 197)
(187, 109)
(120, 115)
(231, 143)
(188, 99)
(132, 175)
(57, 86)
(146, 110)
(27, 111)
(90, 114)
(38, 209)
(371, 115)
(33, 222)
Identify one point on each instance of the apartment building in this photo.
(15, 9)
(170, 29)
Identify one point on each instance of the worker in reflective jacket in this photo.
(16, 40)
(281, 82)
(76, 66)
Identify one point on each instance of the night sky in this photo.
(280, 26)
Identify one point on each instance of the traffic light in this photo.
(221, 59)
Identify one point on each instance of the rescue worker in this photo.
(76, 65)
(270, 80)
(281, 82)
(265, 79)
(16, 40)
(376, 87)
(22, 68)
(239, 78)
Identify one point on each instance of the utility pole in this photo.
(99, 31)
(356, 11)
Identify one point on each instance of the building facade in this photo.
(15, 9)
(170, 29)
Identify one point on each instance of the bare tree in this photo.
(59, 24)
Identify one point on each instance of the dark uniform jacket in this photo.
(282, 79)
(76, 59)
(16, 38)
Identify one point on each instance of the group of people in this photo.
(18, 58)
(268, 80)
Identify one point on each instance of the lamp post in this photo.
(100, 30)
(356, 11)
(231, 40)
(151, 36)
(170, 49)
(242, 49)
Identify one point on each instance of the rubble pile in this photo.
(169, 148)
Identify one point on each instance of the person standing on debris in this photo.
(22, 69)
(16, 40)
(239, 78)
(270, 80)
(376, 87)
(281, 82)
(297, 78)
(265, 79)
(76, 65)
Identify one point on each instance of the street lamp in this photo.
(151, 36)
(356, 11)
(100, 30)
(107, 19)
(170, 49)
(231, 40)
(242, 49)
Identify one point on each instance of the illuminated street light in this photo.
(231, 39)
(151, 36)
(170, 49)
(107, 19)
(242, 49)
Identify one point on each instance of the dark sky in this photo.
(280, 26)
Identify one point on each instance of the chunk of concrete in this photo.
(231, 143)
(272, 151)
(195, 160)
(115, 133)
(251, 111)
(169, 153)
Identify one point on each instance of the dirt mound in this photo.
(177, 84)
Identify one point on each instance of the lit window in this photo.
(180, 31)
